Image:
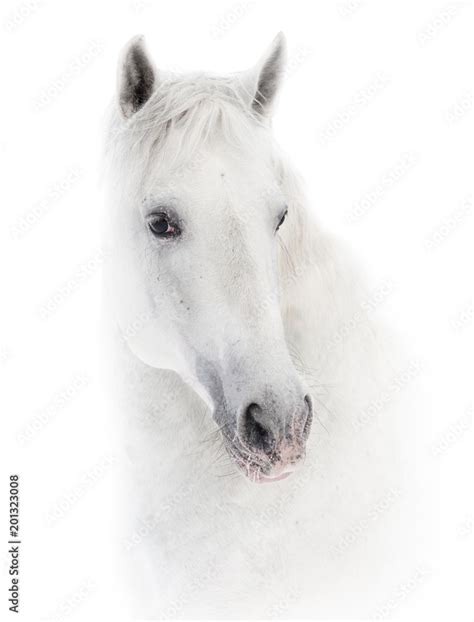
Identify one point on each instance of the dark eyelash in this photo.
(282, 219)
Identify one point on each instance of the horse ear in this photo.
(137, 77)
(262, 82)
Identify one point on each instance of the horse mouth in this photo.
(268, 480)
(262, 469)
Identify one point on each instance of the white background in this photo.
(377, 115)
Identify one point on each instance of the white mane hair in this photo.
(198, 105)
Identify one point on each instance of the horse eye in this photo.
(161, 227)
(282, 220)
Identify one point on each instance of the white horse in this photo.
(246, 352)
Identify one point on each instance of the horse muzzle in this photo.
(268, 444)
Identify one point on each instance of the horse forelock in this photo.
(194, 109)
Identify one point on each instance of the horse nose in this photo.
(263, 429)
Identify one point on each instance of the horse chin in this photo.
(256, 476)
(266, 479)
(259, 473)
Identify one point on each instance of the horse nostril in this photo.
(309, 416)
(257, 429)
